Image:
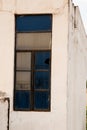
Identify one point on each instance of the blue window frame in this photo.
(33, 63)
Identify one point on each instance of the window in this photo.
(33, 63)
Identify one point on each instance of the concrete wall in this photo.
(69, 62)
(4, 112)
(77, 71)
(57, 118)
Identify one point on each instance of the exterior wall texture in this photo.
(68, 65)
(57, 118)
(4, 112)
(77, 71)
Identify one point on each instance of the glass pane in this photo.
(42, 80)
(33, 41)
(41, 100)
(34, 23)
(23, 61)
(42, 60)
(22, 100)
(23, 80)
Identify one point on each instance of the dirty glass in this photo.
(23, 80)
(34, 41)
(23, 61)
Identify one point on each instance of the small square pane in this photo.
(41, 100)
(22, 100)
(24, 61)
(42, 80)
(23, 80)
(42, 60)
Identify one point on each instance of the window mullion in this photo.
(32, 79)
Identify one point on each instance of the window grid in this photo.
(32, 71)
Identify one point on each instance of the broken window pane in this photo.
(32, 63)
(42, 60)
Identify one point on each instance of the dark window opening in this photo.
(33, 63)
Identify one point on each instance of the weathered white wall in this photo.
(68, 72)
(77, 71)
(4, 107)
(57, 118)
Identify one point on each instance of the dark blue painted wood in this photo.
(27, 23)
(41, 80)
(22, 99)
(41, 100)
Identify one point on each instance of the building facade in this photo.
(43, 69)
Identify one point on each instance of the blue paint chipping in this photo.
(27, 23)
